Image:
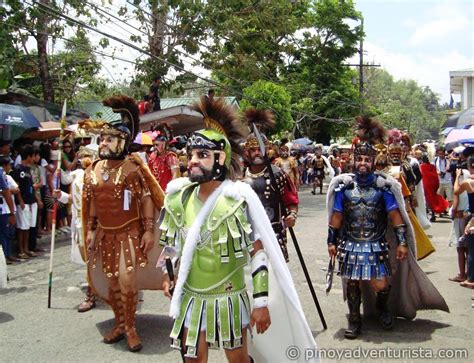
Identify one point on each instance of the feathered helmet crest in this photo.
(223, 131)
(263, 120)
(127, 125)
(369, 132)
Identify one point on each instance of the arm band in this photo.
(332, 235)
(148, 224)
(259, 266)
(401, 234)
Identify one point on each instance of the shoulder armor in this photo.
(224, 208)
(174, 204)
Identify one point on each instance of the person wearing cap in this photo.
(162, 162)
(216, 226)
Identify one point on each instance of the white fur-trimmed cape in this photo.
(289, 326)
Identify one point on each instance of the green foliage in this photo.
(264, 94)
(404, 105)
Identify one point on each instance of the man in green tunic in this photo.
(212, 305)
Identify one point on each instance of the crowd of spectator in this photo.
(27, 180)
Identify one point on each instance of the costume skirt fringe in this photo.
(363, 260)
(222, 315)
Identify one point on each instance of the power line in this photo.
(56, 13)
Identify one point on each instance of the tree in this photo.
(169, 31)
(41, 22)
(263, 94)
(251, 40)
(317, 70)
(404, 105)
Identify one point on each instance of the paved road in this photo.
(31, 332)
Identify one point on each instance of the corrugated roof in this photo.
(97, 110)
(185, 101)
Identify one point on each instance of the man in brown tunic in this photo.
(120, 220)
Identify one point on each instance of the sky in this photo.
(420, 39)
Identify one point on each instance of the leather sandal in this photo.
(116, 335)
(86, 305)
(133, 341)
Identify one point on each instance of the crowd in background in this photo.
(29, 172)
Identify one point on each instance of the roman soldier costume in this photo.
(319, 163)
(120, 197)
(375, 241)
(280, 201)
(289, 165)
(401, 170)
(214, 239)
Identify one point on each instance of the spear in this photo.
(292, 232)
(55, 205)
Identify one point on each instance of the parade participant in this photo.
(401, 170)
(163, 163)
(213, 224)
(376, 250)
(436, 203)
(416, 187)
(120, 196)
(288, 164)
(281, 205)
(335, 159)
(320, 164)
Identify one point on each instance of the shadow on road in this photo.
(13, 289)
(153, 330)
(5, 318)
(419, 330)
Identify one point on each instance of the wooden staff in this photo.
(55, 205)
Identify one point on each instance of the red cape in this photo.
(430, 180)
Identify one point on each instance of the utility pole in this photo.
(361, 66)
(361, 70)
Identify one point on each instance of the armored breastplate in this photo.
(365, 217)
(114, 202)
(268, 196)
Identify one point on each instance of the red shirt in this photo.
(161, 165)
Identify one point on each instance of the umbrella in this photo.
(302, 141)
(143, 139)
(19, 116)
(41, 113)
(457, 135)
(462, 118)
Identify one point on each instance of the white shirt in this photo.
(4, 206)
(441, 166)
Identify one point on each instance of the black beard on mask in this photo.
(205, 177)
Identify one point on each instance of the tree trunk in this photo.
(42, 45)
